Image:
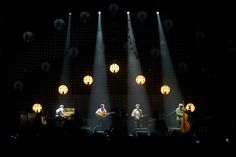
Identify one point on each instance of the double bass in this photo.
(184, 126)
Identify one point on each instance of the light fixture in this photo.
(37, 108)
(190, 107)
(88, 80)
(165, 89)
(140, 79)
(63, 89)
(114, 68)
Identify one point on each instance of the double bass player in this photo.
(182, 118)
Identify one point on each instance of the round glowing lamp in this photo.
(165, 89)
(63, 89)
(114, 68)
(88, 80)
(140, 79)
(37, 108)
(190, 107)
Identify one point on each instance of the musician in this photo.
(101, 114)
(137, 115)
(180, 110)
(60, 116)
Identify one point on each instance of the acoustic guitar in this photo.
(103, 115)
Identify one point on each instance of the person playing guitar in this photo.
(137, 116)
(101, 112)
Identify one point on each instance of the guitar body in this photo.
(141, 117)
(102, 115)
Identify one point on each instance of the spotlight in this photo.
(99, 12)
(197, 141)
(157, 13)
(127, 12)
(70, 14)
(227, 140)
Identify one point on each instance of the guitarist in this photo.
(101, 114)
(137, 115)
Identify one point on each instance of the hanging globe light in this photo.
(63, 89)
(85, 17)
(190, 107)
(165, 89)
(140, 79)
(88, 80)
(114, 68)
(37, 108)
(28, 37)
(59, 24)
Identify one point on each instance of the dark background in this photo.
(201, 42)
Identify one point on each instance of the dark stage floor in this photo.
(140, 137)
